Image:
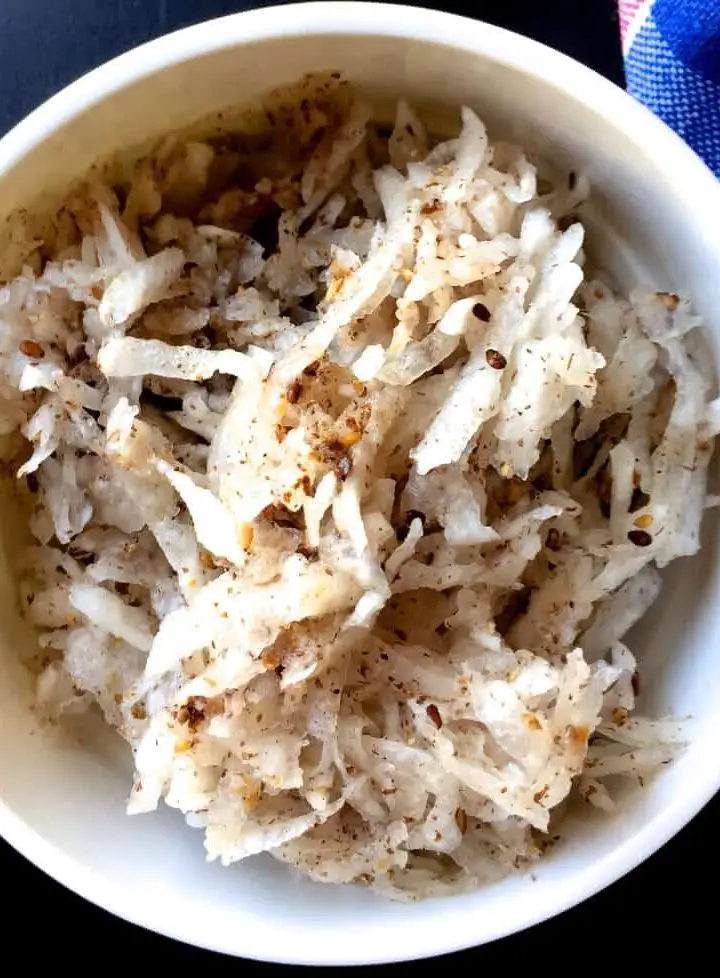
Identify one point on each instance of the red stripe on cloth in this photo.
(627, 10)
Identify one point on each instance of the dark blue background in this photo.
(664, 908)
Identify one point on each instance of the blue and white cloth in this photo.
(672, 65)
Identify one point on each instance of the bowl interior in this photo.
(63, 797)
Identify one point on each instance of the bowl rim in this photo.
(683, 169)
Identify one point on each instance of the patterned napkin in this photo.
(672, 65)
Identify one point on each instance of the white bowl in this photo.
(63, 805)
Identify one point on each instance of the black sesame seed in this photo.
(481, 312)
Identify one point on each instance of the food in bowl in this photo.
(347, 482)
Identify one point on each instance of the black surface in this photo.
(662, 909)
(44, 44)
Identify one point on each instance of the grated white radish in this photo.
(344, 535)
